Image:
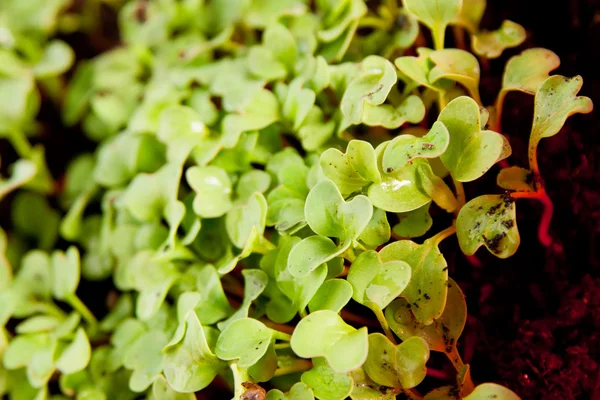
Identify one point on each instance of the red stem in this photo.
(543, 229)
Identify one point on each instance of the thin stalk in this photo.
(439, 37)
(384, 324)
(282, 336)
(444, 234)
(457, 362)
(298, 365)
(460, 194)
(412, 394)
(281, 346)
(497, 124)
(82, 309)
(20, 143)
(302, 313)
(548, 209)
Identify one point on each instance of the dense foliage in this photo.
(262, 168)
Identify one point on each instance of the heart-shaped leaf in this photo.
(77, 354)
(516, 178)
(375, 283)
(442, 335)
(213, 190)
(190, 365)
(555, 101)
(376, 79)
(405, 148)
(488, 220)
(245, 339)
(418, 69)
(328, 214)
(401, 366)
(242, 221)
(491, 391)
(410, 110)
(310, 253)
(333, 295)
(436, 14)
(471, 151)
(377, 231)
(456, 65)
(263, 64)
(326, 383)
(325, 334)
(354, 169)
(413, 223)
(427, 289)
(181, 129)
(492, 44)
(398, 190)
(528, 70)
(65, 273)
(264, 369)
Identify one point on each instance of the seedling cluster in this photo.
(263, 170)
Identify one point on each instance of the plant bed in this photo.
(228, 181)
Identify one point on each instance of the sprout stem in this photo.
(82, 309)
(544, 227)
(282, 336)
(460, 194)
(384, 324)
(280, 346)
(20, 143)
(444, 234)
(412, 394)
(298, 365)
(497, 124)
(302, 313)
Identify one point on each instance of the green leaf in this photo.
(365, 389)
(213, 305)
(328, 214)
(77, 355)
(298, 102)
(405, 148)
(58, 57)
(436, 188)
(436, 14)
(190, 365)
(492, 44)
(491, 391)
(244, 221)
(377, 231)
(264, 369)
(471, 152)
(33, 217)
(213, 190)
(23, 171)
(280, 41)
(180, 129)
(516, 178)
(376, 79)
(162, 391)
(310, 253)
(40, 323)
(555, 101)
(333, 295)
(65, 272)
(456, 65)
(470, 14)
(527, 71)
(488, 220)
(255, 282)
(354, 169)
(326, 383)
(299, 391)
(325, 334)
(410, 110)
(441, 335)
(401, 366)
(398, 190)
(413, 223)
(261, 111)
(375, 283)
(145, 358)
(245, 339)
(427, 289)
(263, 64)
(41, 366)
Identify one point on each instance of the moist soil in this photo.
(534, 319)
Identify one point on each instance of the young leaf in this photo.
(180, 129)
(375, 283)
(488, 220)
(325, 334)
(57, 58)
(77, 355)
(328, 214)
(427, 289)
(442, 335)
(190, 365)
(405, 148)
(213, 190)
(456, 65)
(326, 383)
(144, 357)
(376, 79)
(515, 178)
(242, 221)
(255, 282)
(413, 223)
(65, 273)
(377, 231)
(471, 151)
(333, 295)
(310, 253)
(410, 110)
(401, 366)
(555, 101)
(491, 391)
(492, 44)
(528, 70)
(23, 171)
(354, 169)
(470, 14)
(162, 391)
(245, 339)
(436, 14)
(264, 369)
(365, 389)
